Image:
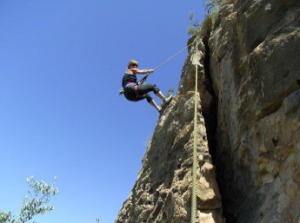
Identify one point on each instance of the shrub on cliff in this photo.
(212, 8)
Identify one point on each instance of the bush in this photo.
(212, 8)
(39, 195)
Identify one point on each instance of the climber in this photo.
(135, 91)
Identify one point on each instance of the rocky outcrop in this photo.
(254, 66)
(162, 192)
(249, 124)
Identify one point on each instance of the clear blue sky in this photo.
(61, 63)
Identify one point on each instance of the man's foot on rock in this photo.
(167, 99)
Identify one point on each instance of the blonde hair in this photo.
(132, 62)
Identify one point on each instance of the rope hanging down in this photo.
(195, 163)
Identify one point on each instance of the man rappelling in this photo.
(136, 91)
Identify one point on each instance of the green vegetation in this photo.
(212, 8)
(39, 195)
(194, 27)
(297, 31)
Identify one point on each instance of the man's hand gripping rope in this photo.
(145, 77)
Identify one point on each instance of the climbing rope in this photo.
(171, 57)
(164, 62)
(195, 163)
(158, 66)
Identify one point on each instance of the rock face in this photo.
(162, 192)
(254, 67)
(248, 124)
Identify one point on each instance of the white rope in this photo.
(170, 58)
(195, 161)
(163, 63)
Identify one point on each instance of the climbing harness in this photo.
(195, 161)
(157, 67)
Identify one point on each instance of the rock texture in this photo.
(254, 65)
(162, 192)
(249, 124)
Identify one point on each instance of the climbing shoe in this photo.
(167, 99)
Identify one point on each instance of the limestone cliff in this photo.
(162, 192)
(254, 67)
(249, 124)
